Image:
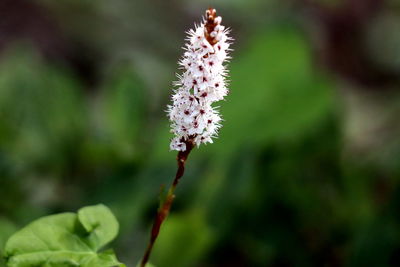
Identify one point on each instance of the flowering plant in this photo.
(194, 120)
(78, 239)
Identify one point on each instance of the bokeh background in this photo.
(305, 172)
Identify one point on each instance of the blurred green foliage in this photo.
(277, 188)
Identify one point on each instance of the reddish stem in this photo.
(166, 205)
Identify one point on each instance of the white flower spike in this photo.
(193, 118)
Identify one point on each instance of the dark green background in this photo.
(305, 171)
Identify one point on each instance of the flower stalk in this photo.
(165, 205)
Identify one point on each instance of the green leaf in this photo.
(66, 239)
(100, 223)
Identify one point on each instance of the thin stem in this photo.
(165, 206)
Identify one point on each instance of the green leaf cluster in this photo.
(65, 240)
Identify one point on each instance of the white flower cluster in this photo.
(192, 116)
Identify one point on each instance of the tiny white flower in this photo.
(193, 118)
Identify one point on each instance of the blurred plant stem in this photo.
(166, 203)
